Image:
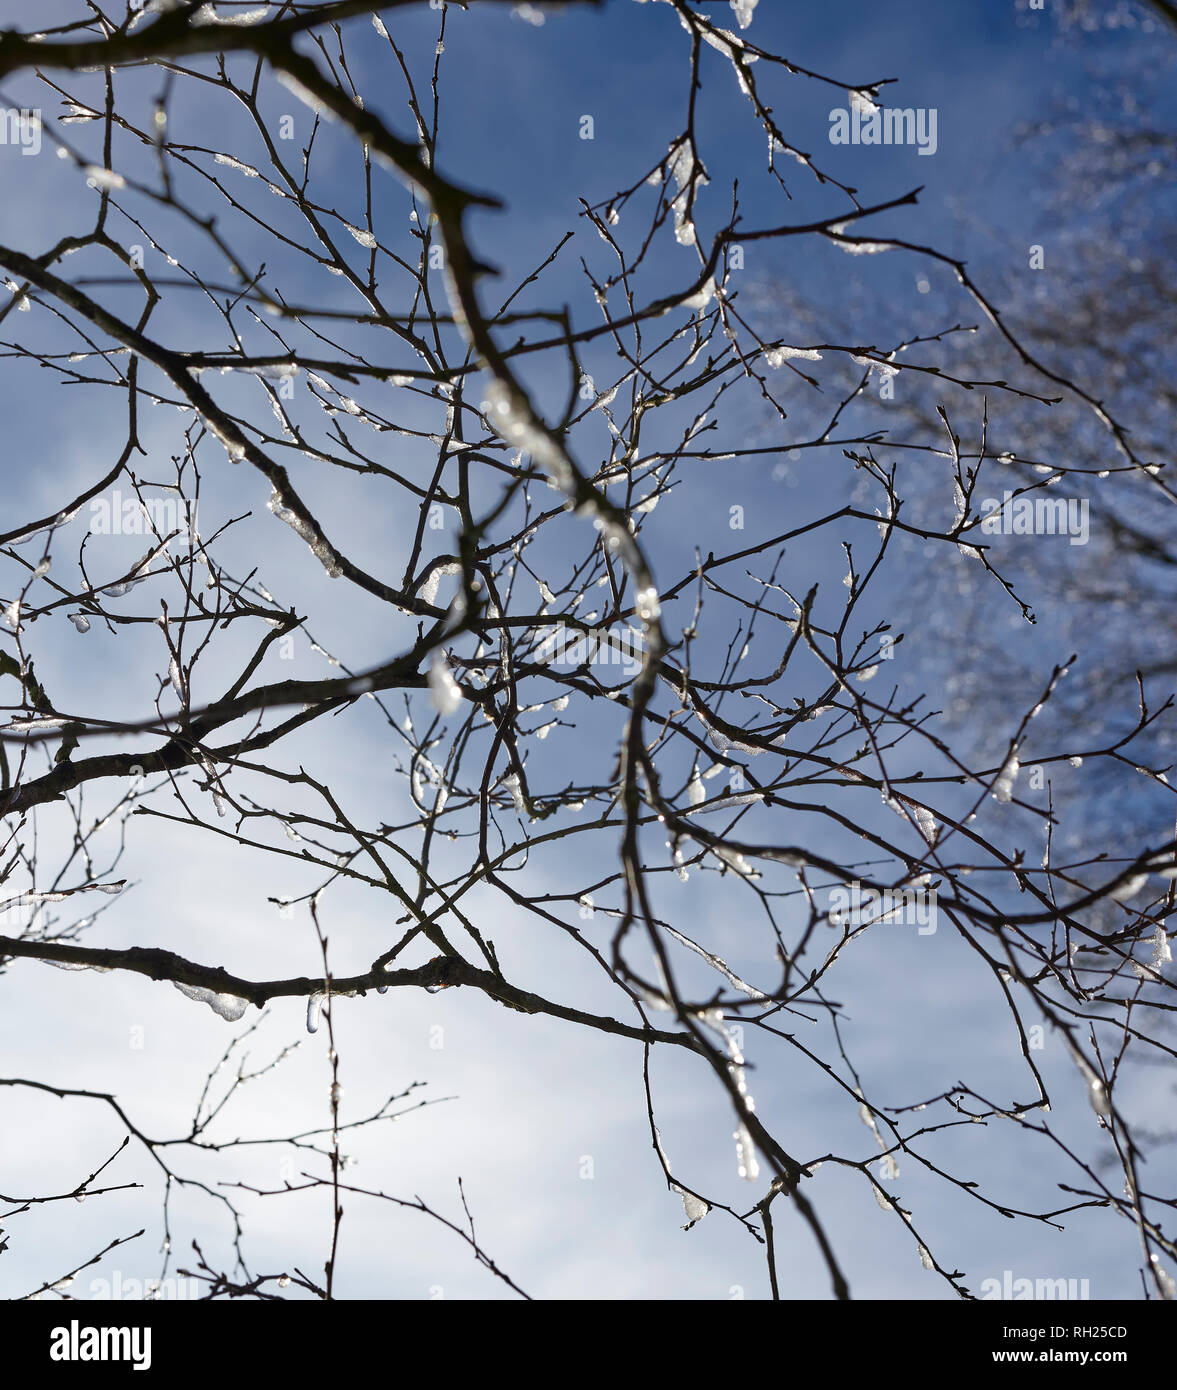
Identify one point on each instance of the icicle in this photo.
(746, 1165)
(177, 679)
(429, 585)
(743, 9)
(226, 1006)
(647, 605)
(926, 822)
(1098, 1095)
(511, 782)
(688, 174)
(314, 1007)
(444, 692)
(746, 1162)
(1003, 788)
(1164, 1279)
(366, 239)
(694, 1207)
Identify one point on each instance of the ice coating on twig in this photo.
(721, 740)
(778, 356)
(310, 533)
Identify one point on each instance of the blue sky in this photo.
(533, 1098)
